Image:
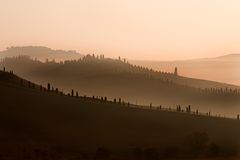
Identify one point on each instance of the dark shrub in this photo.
(197, 143)
(102, 153)
(170, 152)
(214, 150)
(138, 153)
(151, 154)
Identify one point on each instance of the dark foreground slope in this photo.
(37, 123)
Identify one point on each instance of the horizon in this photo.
(141, 30)
(149, 60)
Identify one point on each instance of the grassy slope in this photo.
(32, 117)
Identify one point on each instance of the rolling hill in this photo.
(223, 69)
(115, 78)
(41, 124)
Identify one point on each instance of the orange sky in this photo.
(136, 29)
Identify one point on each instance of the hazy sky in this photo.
(137, 29)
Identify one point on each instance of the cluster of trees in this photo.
(222, 91)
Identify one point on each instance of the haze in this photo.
(136, 29)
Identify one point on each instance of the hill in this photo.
(115, 78)
(229, 57)
(222, 69)
(40, 53)
(37, 123)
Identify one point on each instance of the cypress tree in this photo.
(48, 86)
(72, 93)
(119, 100)
(76, 94)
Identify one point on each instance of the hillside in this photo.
(115, 78)
(36, 123)
(40, 53)
(229, 57)
(222, 69)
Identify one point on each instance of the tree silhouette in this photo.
(76, 94)
(102, 153)
(49, 86)
(176, 71)
(197, 142)
(119, 100)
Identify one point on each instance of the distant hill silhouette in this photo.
(41, 124)
(222, 69)
(41, 53)
(99, 76)
(232, 57)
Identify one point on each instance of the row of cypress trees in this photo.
(101, 99)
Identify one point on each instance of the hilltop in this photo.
(37, 123)
(229, 57)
